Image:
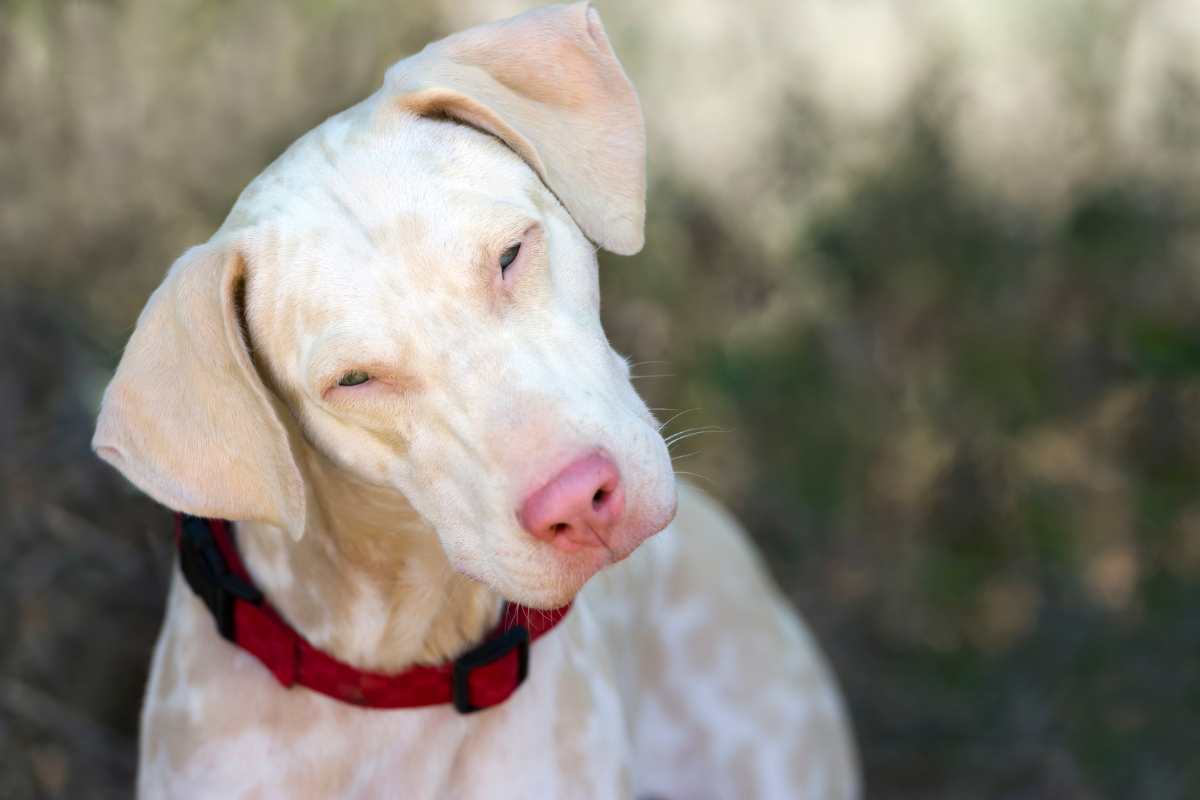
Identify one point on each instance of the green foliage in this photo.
(1049, 366)
(961, 400)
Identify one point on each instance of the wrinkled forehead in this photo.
(399, 185)
(351, 225)
(354, 207)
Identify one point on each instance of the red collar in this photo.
(482, 677)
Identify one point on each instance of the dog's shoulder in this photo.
(710, 615)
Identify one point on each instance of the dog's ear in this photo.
(186, 417)
(547, 84)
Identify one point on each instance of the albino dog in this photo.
(388, 367)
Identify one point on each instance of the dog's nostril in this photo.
(576, 506)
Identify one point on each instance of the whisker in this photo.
(705, 478)
(676, 416)
(637, 364)
(685, 455)
(676, 438)
(695, 429)
(691, 435)
(657, 375)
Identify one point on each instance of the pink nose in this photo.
(578, 507)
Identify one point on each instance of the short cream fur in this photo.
(379, 519)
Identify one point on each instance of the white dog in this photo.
(388, 367)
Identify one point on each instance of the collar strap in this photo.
(482, 677)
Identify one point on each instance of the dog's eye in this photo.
(509, 256)
(353, 378)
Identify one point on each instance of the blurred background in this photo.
(934, 268)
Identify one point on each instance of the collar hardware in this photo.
(206, 572)
(515, 640)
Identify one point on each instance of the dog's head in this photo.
(411, 293)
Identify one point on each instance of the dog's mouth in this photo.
(557, 570)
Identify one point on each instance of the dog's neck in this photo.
(368, 582)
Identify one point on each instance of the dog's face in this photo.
(411, 291)
(431, 316)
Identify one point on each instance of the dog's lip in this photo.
(576, 540)
(670, 515)
(577, 566)
(625, 540)
(654, 526)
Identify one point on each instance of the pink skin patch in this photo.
(579, 508)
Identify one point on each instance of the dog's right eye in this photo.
(509, 256)
(353, 378)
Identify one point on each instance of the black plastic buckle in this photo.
(206, 572)
(489, 652)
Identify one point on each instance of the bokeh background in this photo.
(932, 267)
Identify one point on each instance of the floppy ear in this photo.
(186, 418)
(547, 84)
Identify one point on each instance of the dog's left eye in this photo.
(509, 256)
(353, 378)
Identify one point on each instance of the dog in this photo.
(387, 368)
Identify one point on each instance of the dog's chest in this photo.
(217, 724)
